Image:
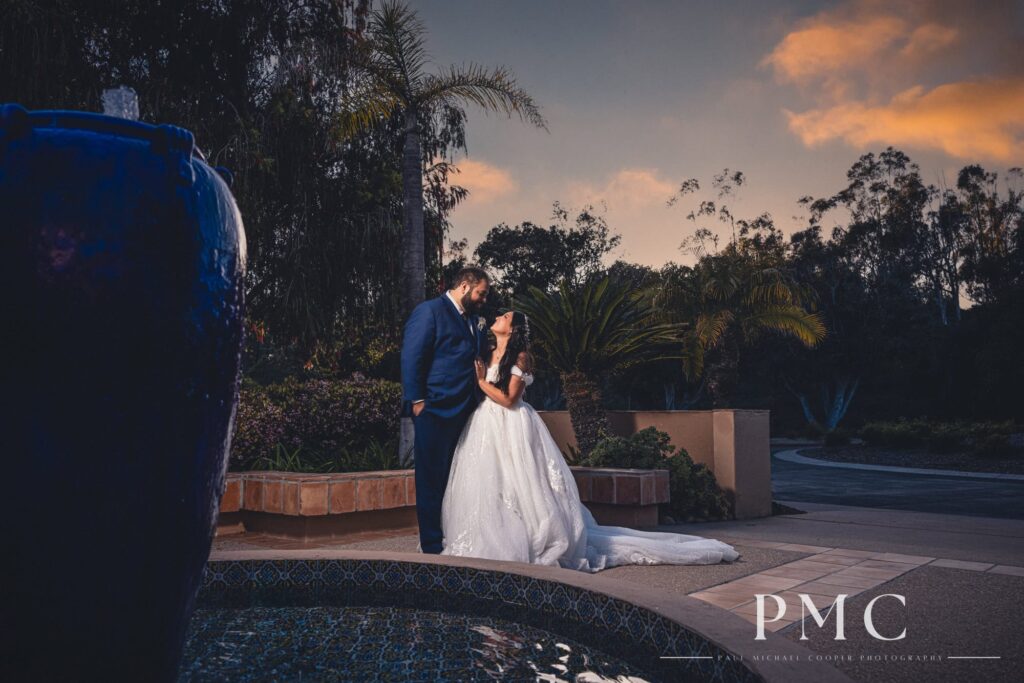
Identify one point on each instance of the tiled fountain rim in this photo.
(774, 660)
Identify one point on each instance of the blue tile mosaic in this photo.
(604, 626)
(372, 643)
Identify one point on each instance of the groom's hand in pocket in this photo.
(417, 408)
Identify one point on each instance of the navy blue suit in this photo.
(438, 350)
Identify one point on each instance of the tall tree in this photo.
(390, 80)
(885, 279)
(994, 227)
(528, 255)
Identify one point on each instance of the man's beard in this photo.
(468, 305)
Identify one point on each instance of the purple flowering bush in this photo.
(259, 426)
(323, 419)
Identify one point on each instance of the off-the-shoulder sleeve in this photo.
(527, 377)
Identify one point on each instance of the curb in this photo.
(793, 455)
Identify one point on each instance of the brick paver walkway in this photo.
(823, 575)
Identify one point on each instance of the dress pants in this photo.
(434, 446)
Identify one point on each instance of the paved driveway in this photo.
(896, 490)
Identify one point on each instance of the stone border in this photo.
(722, 644)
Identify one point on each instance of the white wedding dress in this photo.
(511, 496)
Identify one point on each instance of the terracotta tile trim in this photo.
(300, 494)
(616, 486)
(314, 495)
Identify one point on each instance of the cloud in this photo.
(629, 188)
(928, 75)
(485, 182)
(927, 40)
(965, 120)
(827, 48)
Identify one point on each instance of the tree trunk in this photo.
(834, 405)
(722, 373)
(413, 260)
(589, 421)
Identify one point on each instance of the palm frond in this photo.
(710, 327)
(399, 38)
(599, 328)
(793, 321)
(366, 106)
(490, 89)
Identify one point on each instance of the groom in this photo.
(440, 344)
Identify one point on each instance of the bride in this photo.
(510, 495)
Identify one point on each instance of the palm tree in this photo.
(586, 335)
(390, 79)
(732, 300)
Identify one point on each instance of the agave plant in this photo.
(588, 334)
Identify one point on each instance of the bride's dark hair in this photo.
(518, 342)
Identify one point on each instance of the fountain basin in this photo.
(653, 635)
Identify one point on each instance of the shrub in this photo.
(374, 456)
(980, 437)
(902, 433)
(348, 422)
(694, 493)
(259, 427)
(991, 446)
(837, 437)
(946, 437)
(325, 416)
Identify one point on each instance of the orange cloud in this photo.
(629, 188)
(484, 181)
(824, 49)
(928, 39)
(864, 63)
(965, 120)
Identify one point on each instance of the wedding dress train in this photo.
(511, 496)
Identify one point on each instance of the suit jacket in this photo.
(438, 350)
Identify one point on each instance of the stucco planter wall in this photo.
(732, 443)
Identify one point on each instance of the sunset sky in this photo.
(641, 95)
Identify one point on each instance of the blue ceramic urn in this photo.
(122, 258)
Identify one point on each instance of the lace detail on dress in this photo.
(492, 374)
(462, 545)
(510, 503)
(555, 478)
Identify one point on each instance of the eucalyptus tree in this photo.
(993, 223)
(885, 201)
(589, 333)
(390, 79)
